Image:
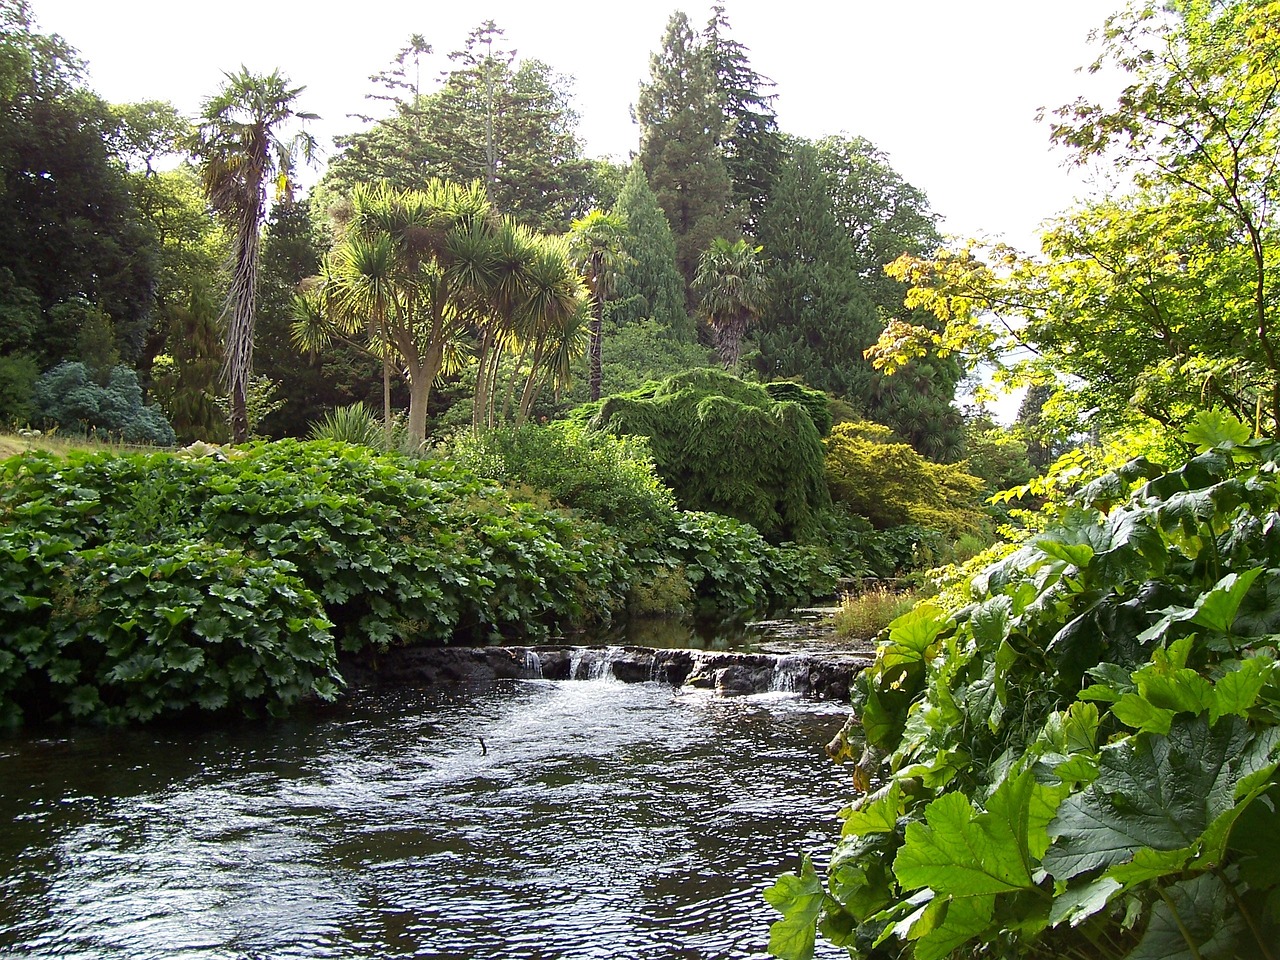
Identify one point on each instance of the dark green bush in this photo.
(122, 632)
(610, 479)
(396, 550)
(726, 446)
(68, 397)
(728, 566)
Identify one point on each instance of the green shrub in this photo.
(726, 565)
(68, 397)
(886, 481)
(610, 479)
(726, 446)
(357, 424)
(1081, 759)
(397, 549)
(122, 632)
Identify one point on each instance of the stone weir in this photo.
(825, 674)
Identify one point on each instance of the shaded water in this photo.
(604, 821)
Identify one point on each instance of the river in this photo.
(519, 819)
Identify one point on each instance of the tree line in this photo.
(459, 257)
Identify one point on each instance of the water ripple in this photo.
(598, 820)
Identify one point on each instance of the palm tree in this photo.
(550, 320)
(731, 289)
(240, 149)
(413, 269)
(596, 245)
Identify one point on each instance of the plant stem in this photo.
(1244, 912)
(1182, 927)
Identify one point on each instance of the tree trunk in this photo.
(419, 397)
(240, 309)
(239, 415)
(597, 322)
(386, 398)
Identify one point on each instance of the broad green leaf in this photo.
(1256, 842)
(878, 816)
(911, 635)
(1155, 791)
(963, 920)
(1148, 864)
(799, 899)
(1078, 769)
(958, 852)
(878, 723)
(1077, 904)
(1180, 689)
(1217, 608)
(1139, 713)
(1194, 920)
(1211, 428)
(1236, 692)
(989, 621)
(1076, 554)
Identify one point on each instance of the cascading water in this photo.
(533, 664)
(790, 675)
(601, 666)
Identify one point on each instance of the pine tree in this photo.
(749, 138)
(680, 125)
(506, 122)
(818, 320)
(649, 285)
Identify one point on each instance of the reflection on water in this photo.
(521, 820)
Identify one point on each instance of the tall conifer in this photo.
(749, 138)
(680, 121)
(649, 285)
(818, 320)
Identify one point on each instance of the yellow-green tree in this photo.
(1159, 299)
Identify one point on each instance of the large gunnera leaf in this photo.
(1170, 792)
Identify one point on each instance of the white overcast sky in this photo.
(948, 89)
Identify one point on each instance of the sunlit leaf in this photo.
(798, 897)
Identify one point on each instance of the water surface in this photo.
(586, 819)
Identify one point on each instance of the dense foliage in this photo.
(879, 477)
(1082, 760)
(726, 445)
(69, 397)
(395, 550)
(696, 560)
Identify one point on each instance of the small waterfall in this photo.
(587, 663)
(533, 665)
(602, 668)
(790, 675)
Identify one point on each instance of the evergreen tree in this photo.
(649, 285)
(310, 385)
(883, 215)
(69, 230)
(818, 320)
(749, 138)
(680, 119)
(506, 122)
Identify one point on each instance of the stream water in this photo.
(522, 819)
